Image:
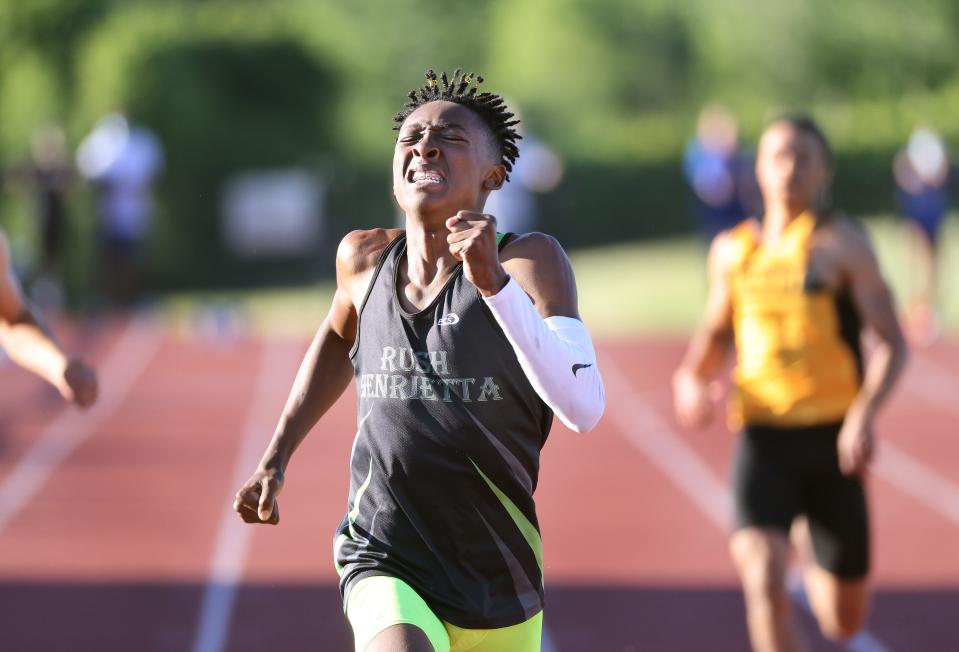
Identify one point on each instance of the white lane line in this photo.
(912, 477)
(938, 387)
(118, 374)
(547, 644)
(640, 424)
(277, 366)
(932, 383)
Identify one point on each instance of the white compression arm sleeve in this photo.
(557, 355)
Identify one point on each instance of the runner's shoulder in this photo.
(849, 236)
(731, 244)
(360, 250)
(541, 248)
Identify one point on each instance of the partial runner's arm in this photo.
(531, 293)
(874, 304)
(709, 347)
(324, 375)
(30, 343)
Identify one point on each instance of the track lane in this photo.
(110, 533)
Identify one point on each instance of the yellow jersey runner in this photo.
(799, 359)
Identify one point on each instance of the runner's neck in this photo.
(776, 221)
(428, 257)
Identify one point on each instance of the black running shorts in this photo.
(781, 473)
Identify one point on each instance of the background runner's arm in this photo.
(30, 343)
(538, 314)
(875, 306)
(709, 347)
(871, 295)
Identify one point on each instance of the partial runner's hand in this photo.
(256, 501)
(472, 239)
(693, 400)
(79, 383)
(856, 443)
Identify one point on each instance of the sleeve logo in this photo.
(577, 367)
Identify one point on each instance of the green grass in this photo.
(279, 312)
(659, 288)
(631, 289)
(650, 287)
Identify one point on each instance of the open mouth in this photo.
(425, 177)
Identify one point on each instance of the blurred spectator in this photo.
(538, 170)
(921, 170)
(122, 159)
(719, 173)
(48, 174)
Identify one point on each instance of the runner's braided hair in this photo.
(462, 89)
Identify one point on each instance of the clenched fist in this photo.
(79, 383)
(693, 399)
(256, 500)
(857, 442)
(472, 239)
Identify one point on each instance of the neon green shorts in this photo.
(378, 602)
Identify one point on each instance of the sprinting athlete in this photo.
(463, 343)
(793, 291)
(31, 344)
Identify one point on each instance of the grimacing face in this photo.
(444, 161)
(792, 167)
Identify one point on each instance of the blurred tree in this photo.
(613, 86)
(52, 29)
(221, 107)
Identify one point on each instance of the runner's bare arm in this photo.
(709, 346)
(539, 264)
(30, 343)
(323, 376)
(874, 304)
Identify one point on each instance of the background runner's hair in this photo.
(804, 123)
(462, 89)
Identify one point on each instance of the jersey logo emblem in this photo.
(448, 319)
(577, 367)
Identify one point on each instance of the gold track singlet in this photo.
(797, 344)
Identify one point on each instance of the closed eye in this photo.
(449, 137)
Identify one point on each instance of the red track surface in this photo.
(114, 549)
